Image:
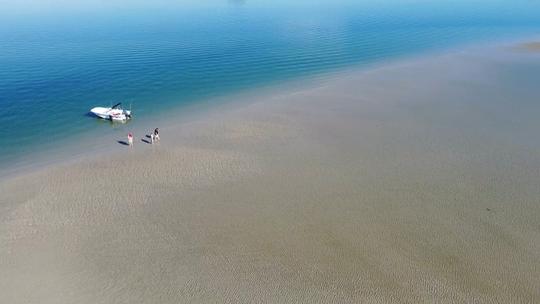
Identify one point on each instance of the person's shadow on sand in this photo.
(122, 142)
(145, 140)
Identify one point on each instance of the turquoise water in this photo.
(59, 59)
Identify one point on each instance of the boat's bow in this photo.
(101, 112)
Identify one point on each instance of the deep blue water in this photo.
(59, 59)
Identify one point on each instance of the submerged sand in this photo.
(413, 182)
(531, 46)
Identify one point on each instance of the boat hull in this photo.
(111, 114)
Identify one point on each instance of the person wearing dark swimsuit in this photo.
(156, 134)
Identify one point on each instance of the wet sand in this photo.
(412, 182)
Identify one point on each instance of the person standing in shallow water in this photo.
(130, 140)
(156, 134)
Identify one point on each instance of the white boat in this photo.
(114, 113)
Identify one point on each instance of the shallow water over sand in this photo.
(57, 62)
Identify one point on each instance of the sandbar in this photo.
(411, 182)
